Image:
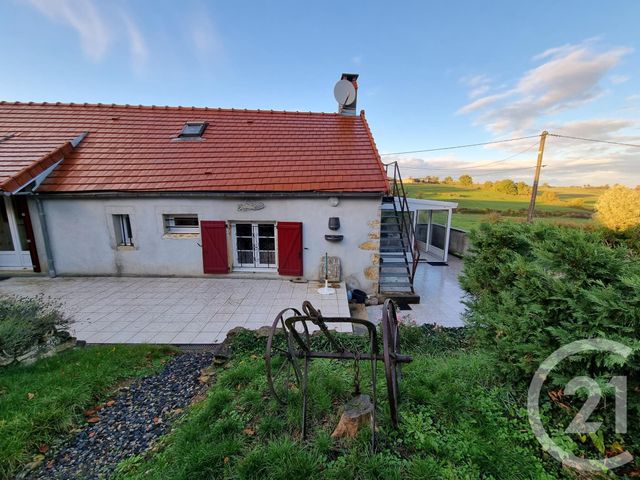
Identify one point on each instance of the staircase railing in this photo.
(401, 207)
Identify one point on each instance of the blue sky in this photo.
(431, 73)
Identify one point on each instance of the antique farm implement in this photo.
(289, 352)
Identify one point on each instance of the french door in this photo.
(254, 246)
(14, 245)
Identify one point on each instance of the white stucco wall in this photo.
(83, 242)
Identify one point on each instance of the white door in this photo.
(254, 246)
(14, 247)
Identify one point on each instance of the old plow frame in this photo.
(288, 367)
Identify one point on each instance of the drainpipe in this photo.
(45, 236)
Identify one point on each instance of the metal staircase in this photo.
(399, 253)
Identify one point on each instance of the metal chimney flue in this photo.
(346, 93)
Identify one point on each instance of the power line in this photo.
(506, 170)
(461, 146)
(472, 167)
(505, 159)
(595, 140)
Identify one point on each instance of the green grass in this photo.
(40, 403)
(513, 206)
(459, 421)
(476, 197)
(467, 221)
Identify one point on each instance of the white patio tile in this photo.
(115, 326)
(227, 308)
(163, 337)
(213, 327)
(196, 326)
(178, 317)
(174, 327)
(98, 337)
(221, 318)
(260, 317)
(245, 309)
(206, 337)
(184, 337)
(239, 318)
(143, 337)
(124, 336)
(110, 309)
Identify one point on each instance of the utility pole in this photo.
(536, 178)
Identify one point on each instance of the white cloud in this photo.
(137, 45)
(568, 162)
(82, 16)
(204, 37)
(618, 79)
(569, 77)
(478, 84)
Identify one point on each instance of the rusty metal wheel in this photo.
(390, 350)
(282, 360)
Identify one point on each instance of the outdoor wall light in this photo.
(334, 223)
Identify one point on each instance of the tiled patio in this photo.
(172, 310)
(440, 296)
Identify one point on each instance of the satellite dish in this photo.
(344, 92)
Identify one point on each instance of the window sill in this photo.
(178, 236)
(125, 248)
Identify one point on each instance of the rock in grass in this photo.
(357, 412)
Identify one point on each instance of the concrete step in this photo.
(402, 299)
(393, 266)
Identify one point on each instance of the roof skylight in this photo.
(193, 129)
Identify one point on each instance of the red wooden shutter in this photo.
(290, 248)
(214, 246)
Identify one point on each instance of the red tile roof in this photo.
(134, 148)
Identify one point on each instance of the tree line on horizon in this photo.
(507, 186)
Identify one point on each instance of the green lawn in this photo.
(467, 221)
(479, 199)
(459, 420)
(40, 403)
(476, 197)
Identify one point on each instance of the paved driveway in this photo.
(171, 310)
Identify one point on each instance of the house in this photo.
(95, 189)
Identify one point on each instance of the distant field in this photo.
(467, 221)
(481, 199)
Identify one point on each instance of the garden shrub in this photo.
(27, 324)
(619, 208)
(536, 287)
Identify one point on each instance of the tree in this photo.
(549, 196)
(448, 180)
(619, 208)
(432, 179)
(465, 180)
(523, 188)
(488, 185)
(506, 186)
(576, 202)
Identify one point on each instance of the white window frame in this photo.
(123, 230)
(257, 267)
(169, 225)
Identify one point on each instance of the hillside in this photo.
(477, 204)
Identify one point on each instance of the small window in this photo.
(193, 129)
(181, 223)
(122, 227)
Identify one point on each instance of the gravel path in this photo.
(140, 414)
